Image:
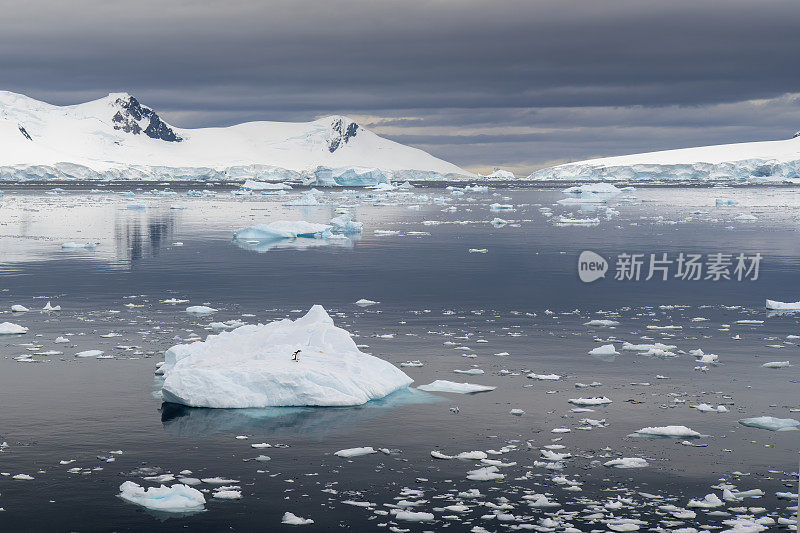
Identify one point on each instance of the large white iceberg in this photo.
(252, 366)
(175, 499)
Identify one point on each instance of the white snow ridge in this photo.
(252, 366)
(116, 137)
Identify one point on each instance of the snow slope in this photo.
(770, 161)
(116, 137)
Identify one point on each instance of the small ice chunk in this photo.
(294, 520)
(355, 452)
(601, 400)
(200, 310)
(667, 431)
(89, 353)
(627, 462)
(606, 349)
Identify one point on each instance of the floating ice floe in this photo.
(470, 372)
(412, 516)
(89, 353)
(9, 328)
(706, 408)
(667, 432)
(602, 400)
(544, 377)
(254, 185)
(627, 462)
(346, 225)
(488, 473)
(175, 499)
(363, 302)
(19, 309)
(355, 452)
(200, 310)
(771, 423)
(283, 229)
(783, 306)
(252, 366)
(441, 385)
(709, 502)
(294, 520)
(602, 323)
(776, 364)
(604, 350)
(498, 222)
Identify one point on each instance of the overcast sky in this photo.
(517, 84)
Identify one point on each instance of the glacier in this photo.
(252, 366)
(754, 163)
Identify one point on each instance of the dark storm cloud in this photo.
(568, 68)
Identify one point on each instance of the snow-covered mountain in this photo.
(117, 137)
(770, 161)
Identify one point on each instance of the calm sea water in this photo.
(521, 297)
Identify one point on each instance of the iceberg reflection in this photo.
(281, 422)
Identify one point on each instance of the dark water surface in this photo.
(522, 297)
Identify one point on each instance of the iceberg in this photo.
(9, 328)
(627, 462)
(355, 452)
(604, 350)
(175, 499)
(783, 306)
(771, 423)
(346, 225)
(252, 366)
(283, 229)
(294, 520)
(500, 174)
(441, 385)
(200, 310)
(667, 432)
(347, 177)
(602, 400)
